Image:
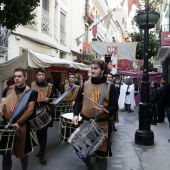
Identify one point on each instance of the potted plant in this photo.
(147, 13)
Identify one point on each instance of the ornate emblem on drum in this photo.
(41, 120)
(7, 136)
(87, 138)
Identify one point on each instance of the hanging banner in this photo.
(111, 50)
(126, 50)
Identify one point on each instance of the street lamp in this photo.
(144, 135)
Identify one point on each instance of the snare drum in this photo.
(7, 137)
(66, 128)
(61, 108)
(41, 120)
(87, 138)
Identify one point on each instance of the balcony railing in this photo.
(4, 34)
(62, 36)
(45, 21)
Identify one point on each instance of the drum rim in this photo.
(43, 125)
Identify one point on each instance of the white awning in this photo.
(34, 60)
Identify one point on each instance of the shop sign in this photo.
(165, 38)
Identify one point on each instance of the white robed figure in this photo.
(126, 99)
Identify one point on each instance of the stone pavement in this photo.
(126, 154)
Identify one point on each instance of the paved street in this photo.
(126, 155)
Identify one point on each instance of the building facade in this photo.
(63, 29)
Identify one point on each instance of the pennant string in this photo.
(96, 23)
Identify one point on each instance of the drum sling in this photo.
(63, 95)
(18, 111)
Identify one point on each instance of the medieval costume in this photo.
(126, 99)
(93, 89)
(24, 139)
(44, 90)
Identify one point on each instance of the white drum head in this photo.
(70, 116)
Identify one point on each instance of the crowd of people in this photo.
(99, 99)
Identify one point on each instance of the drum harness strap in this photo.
(63, 95)
(18, 111)
(101, 99)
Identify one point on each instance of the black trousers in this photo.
(42, 139)
(153, 110)
(161, 114)
(7, 162)
(127, 107)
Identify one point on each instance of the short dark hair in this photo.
(102, 64)
(155, 83)
(163, 82)
(23, 70)
(72, 74)
(40, 69)
(110, 74)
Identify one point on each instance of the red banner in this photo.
(125, 64)
(86, 47)
(165, 38)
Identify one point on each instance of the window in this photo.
(45, 16)
(62, 28)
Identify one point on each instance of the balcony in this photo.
(89, 17)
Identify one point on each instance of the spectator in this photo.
(165, 100)
(161, 109)
(153, 102)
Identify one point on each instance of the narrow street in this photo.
(126, 155)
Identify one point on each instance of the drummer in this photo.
(71, 97)
(24, 141)
(45, 92)
(93, 88)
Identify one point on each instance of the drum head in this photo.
(70, 116)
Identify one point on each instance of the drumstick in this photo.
(95, 102)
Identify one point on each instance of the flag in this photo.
(94, 31)
(122, 3)
(130, 3)
(78, 41)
